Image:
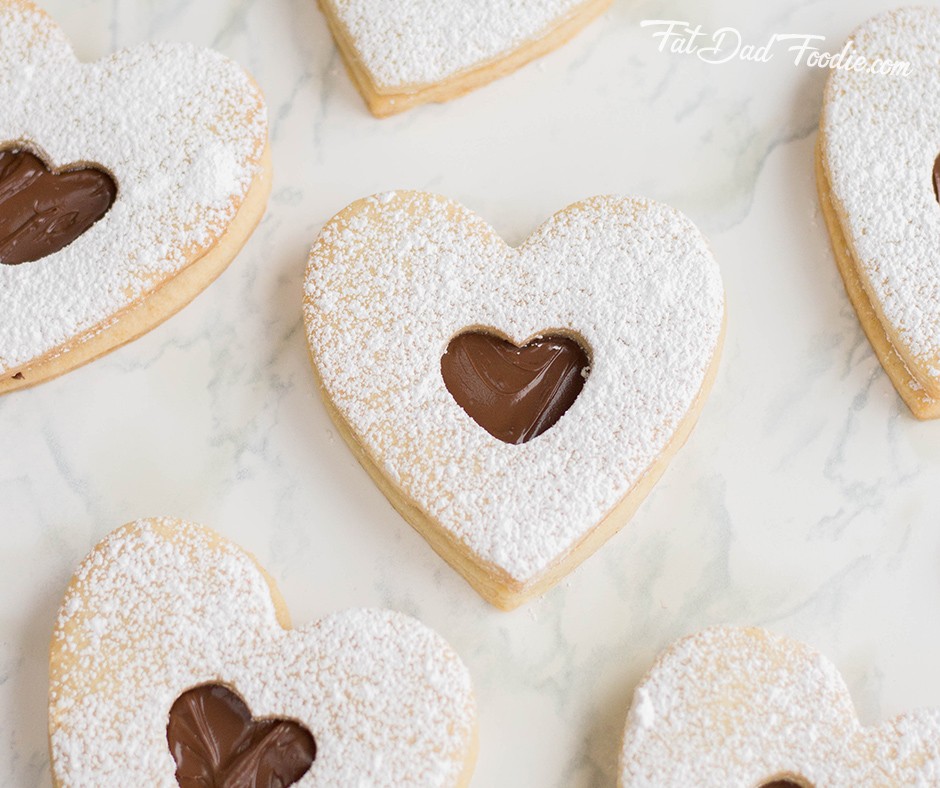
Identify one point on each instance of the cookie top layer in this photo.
(411, 43)
(742, 707)
(160, 607)
(181, 130)
(881, 137)
(394, 278)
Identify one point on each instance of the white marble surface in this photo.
(805, 501)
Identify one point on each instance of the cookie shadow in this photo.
(29, 695)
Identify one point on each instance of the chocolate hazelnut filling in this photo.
(514, 393)
(216, 742)
(42, 211)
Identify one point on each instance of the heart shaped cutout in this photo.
(182, 132)
(402, 53)
(169, 638)
(394, 278)
(514, 393)
(730, 706)
(215, 741)
(43, 211)
(877, 189)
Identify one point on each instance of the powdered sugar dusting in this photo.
(409, 43)
(181, 130)
(163, 606)
(736, 708)
(882, 137)
(392, 280)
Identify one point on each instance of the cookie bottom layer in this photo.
(922, 405)
(384, 102)
(150, 311)
(491, 583)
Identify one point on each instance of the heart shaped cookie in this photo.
(173, 663)
(394, 279)
(402, 53)
(878, 146)
(126, 186)
(743, 708)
